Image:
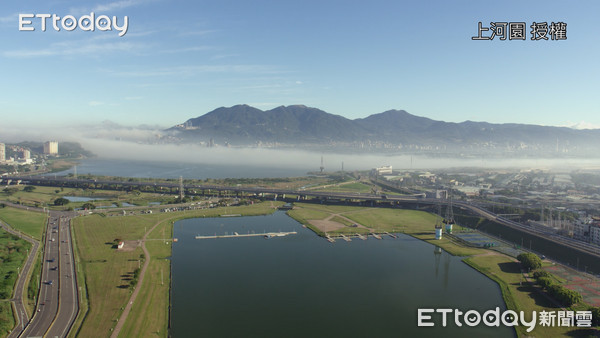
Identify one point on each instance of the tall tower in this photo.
(2, 152)
(322, 167)
(449, 219)
(181, 193)
(438, 222)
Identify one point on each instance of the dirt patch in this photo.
(130, 245)
(326, 226)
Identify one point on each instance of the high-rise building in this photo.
(26, 154)
(2, 152)
(51, 147)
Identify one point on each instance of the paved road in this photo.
(47, 306)
(58, 301)
(69, 298)
(20, 291)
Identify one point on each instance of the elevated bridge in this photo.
(380, 199)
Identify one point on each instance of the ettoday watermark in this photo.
(88, 23)
(496, 318)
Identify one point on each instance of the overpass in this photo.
(304, 194)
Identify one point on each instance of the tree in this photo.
(595, 315)
(565, 296)
(545, 281)
(530, 260)
(11, 190)
(29, 188)
(88, 206)
(541, 273)
(61, 201)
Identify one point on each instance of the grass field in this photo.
(13, 253)
(33, 285)
(107, 271)
(518, 294)
(31, 223)
(7, 320)
(45, 196)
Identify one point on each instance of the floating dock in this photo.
(264, 234)
(348, 238)
(391, 235)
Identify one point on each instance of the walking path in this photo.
(125, 313)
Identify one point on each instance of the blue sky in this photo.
(181, 59)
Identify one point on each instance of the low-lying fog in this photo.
(112, 141)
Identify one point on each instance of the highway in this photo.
(68, 305)
(47, 305)
(58, 300)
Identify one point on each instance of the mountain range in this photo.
(299, 125)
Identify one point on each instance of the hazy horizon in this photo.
(181, 60)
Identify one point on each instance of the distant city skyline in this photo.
(180, 60)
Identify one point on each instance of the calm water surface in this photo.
(150, 169)
(304, 286)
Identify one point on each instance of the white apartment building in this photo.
(51, 147)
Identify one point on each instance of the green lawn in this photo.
(13, 253)
(31, 223)
(518, 294)
(44, 197)
(107, 271)
(33, 285)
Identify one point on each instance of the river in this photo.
(303, 286)
(285, 164)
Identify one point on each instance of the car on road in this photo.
(48, 282)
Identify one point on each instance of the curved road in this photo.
(58, 299)
(19, 292)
